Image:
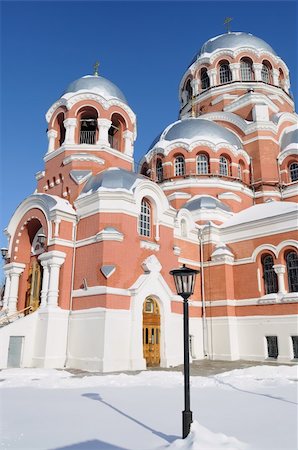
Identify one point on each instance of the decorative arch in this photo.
(88, 130)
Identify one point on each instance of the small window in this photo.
(202, 164)
(225, 74)
(179, 166)
(145, 219)
(272, 347)
(295, 346)
(246, 71)
(223, 166)
(205, 82)
(292, 269)
(159, 170)
(266, 73)
(293, 171)
(188, 90)
(269, 275)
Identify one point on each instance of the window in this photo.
(115, 132)
(61, 134)
(188, 91)
(292, 269)
(269, 275)
(272, 347)
(266, 73)
(145, 218)
(225, 74)
(294, 171)
(88, 126)
(295, 346)
(223, 166)
(179, 166)
(202, 164)
(240, 170)
(159, 170)
(246, 71)
(205, 82)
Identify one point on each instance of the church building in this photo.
(90, 251)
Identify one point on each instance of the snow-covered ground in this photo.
(253, 408)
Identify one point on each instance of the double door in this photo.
(151, 333)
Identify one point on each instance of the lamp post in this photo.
(184, 278)
(4, 253)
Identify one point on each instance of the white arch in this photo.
(262, 248)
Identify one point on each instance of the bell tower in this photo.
(90, 128)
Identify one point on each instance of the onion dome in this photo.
(205, 202)
(98, 85)
(112, 179)
(197, 128)
(233, 40)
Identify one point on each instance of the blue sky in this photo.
(143, 47)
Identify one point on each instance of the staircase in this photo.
(6, 319)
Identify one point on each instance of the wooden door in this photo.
(33, 286)
(151, 332)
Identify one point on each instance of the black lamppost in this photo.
(184, 281)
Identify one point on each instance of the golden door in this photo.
(33, 286)
(151, 332)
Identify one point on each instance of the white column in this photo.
(13, 270)
(103, 131)
(70, 126)
(257, 67)
(52, 134)
(235, 69)
(128, 142)
(53, 260)
(280, 270)
(195, 84)
(212, 73)
(7, 289)
(275, 76)
(45, 281)
(57, 223)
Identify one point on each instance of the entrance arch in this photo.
(33, 286)
(151, 332)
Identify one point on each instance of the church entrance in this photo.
(33, 286)
(151, 332)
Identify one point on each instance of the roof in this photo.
(205, 202)
(198, 128)
(98, 85)
(233, 40)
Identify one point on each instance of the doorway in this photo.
(15, 351)
(151, 332)
(33, 287)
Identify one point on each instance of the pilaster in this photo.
(12, 272)
(52, 135)
(70, 126)
(103, 131)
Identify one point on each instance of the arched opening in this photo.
(116, 132)
(159, 170)
(145, 218)
(151, 332)
(266, 72)
(240, 170)
(292, 270)
(202, 164)
(224, 166)
(188, 90)
(225, 74)
(61, 129)
(281, 79)
(205, 82)
(179, 166)
(88, 126)
(293, 169)
(145, 170)
(33, 290)
(269, 275)
(246, 70)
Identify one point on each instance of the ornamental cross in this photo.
(227, 23)
(96, 66)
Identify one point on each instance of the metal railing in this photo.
(88, 137)
(6, 318)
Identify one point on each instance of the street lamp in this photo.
(184, 281)
(4, 253)
(41, 239)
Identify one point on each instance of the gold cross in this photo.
(95, 67)
(227, 23)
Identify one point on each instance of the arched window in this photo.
(292, 269)
(179, 166)
(188, 90)
(88, 126)
(266, 72)
(281, 79)
(159, 170)
(269, 275)
(205, 82)
(225, 74)
(246, 70)
(223, 166)
(145, 218)
(202, 164)
(61, 132)
(240, 170)
(293, 168)
(116, 132)
(145, 170)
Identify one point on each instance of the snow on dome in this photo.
(207, 202)
(98, 85)
(233, 40)
(198, 128)
(289, 138)
(112, 178)
(261, 211)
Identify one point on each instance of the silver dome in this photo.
(201, 129)
(98, 85)
(233, 40)
(205, 202)
(113, 178)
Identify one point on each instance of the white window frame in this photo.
(145, 218)
(202, 164)
(179, 166)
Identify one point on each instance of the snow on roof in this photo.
(261, 211)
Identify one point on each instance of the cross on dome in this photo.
(96, 66)
(227, 22)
